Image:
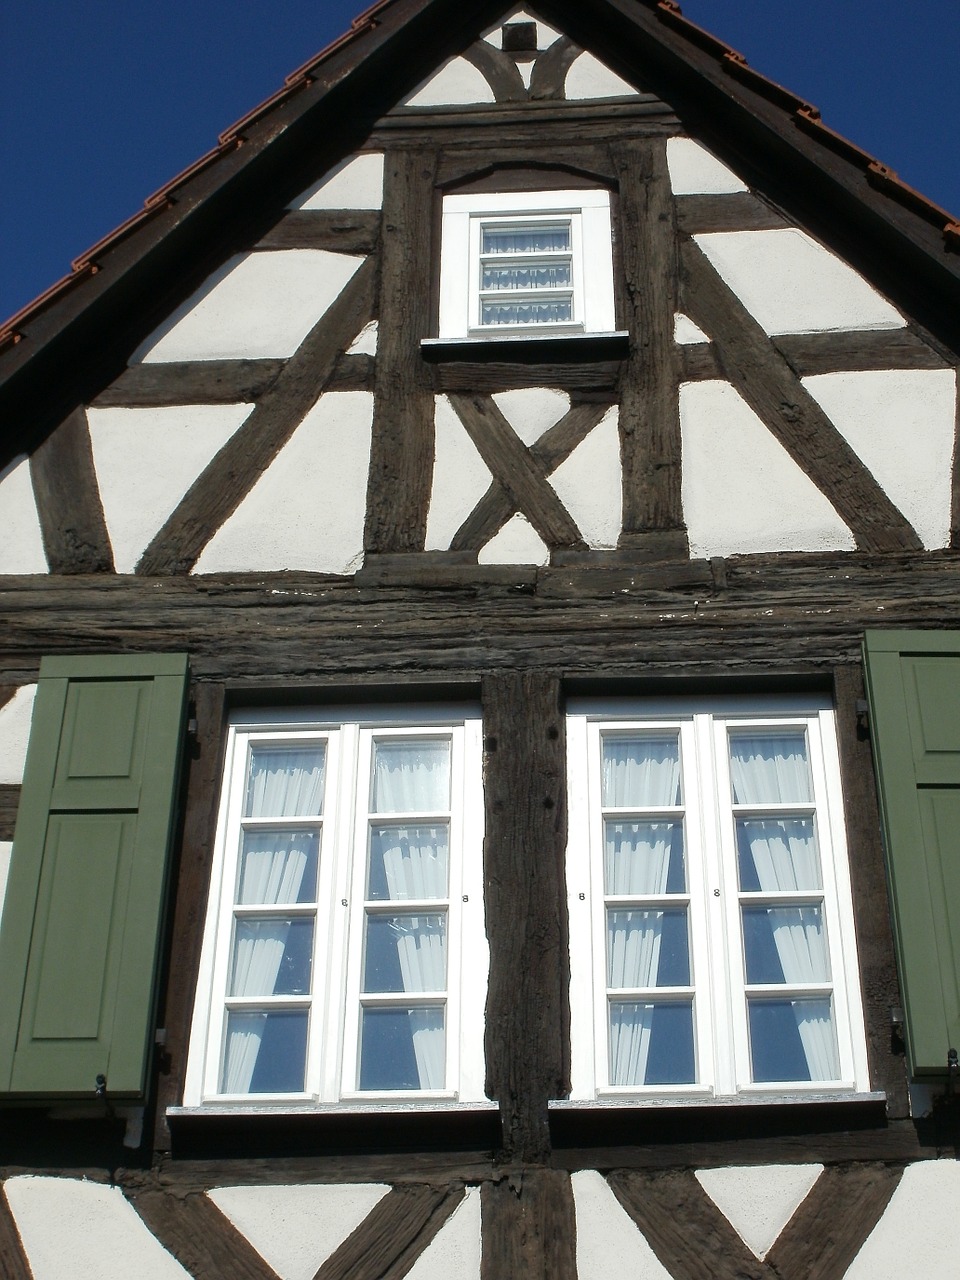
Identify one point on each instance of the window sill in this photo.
(527, 348)
(663, 1101)
(430, 1106)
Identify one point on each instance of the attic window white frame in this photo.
(717, 988)
(341, 911)
(586, 212)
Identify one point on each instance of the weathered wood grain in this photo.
(684, 1228)
(529, 1226)
(439, 1169)
(855, 351)
(230, 476)
(737, 211)
(830, 1227)
(774, 392)
(190, 382)
(514, 468)
(74, 531)
(13, 1260)
(549, 76)
(201, 786)
(601, 376)
(499, 70)
(200, 1237)
(401, 456)
(477, 164)
(554, 446)
(9, 804)
(698, 362)
(650, 406)
(353, 373)
(393, 1234)
(338, 230)
(527, 1017)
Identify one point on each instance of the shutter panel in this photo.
(913, 683)
(84, 903)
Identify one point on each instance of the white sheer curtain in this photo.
(408, 863)
(637, 857)
(411, 777)
(285, 782)
(630, 1030)
(770, 768)
(244, 1037)
(640, 773)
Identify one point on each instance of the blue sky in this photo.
(102, 101)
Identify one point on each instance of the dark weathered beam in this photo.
(456, 375)
(650, 406)
(774, 392)
(529, 1227)
(230, 476)
(191, 382)
(200, 1237)
(402, 448)
(549, 76)
(393, 1234)
(499, 70)
(496, 507)
(698, 362)
(513, 467)
(64, 479)
(738, 211)
(339, 230)
(830, 1227)
(527, 1017)
(855, 351)
(684, 1227)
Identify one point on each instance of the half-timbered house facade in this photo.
(479, 685)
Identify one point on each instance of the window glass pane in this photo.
(405, 953)
(278, 866)
(265, 1052)
(402, 1048)
(547, 311)
(777, 854)
(785, 944)
(770, 768)
(647, 949)
(285, 782)
(552, 238)
(793, 1040)
(272, 958)
(643, 858)
(651, 1044)
(641, 772)
(408, 863)
(411, 776)
(536, 275)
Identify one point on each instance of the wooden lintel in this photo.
(600, 375)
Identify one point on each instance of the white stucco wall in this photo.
(455, 1252)
(588, 77)
(460, 478)
(901, 423)
(532, 410)
(307, 510)
(357, 183)
(295, 1229)
(21, 548)
(257, 306)
(791, 284)
(365, 343)
(589, 484)
(546, 36)
(609, 1245)
(685, 331)
(759, 1201)
(516, 543)
(16, 716)
(919, 1234)
(696, 171)
(6, 848)
(742, 492)
(458, 83)
(73, 1230)
(147, 459)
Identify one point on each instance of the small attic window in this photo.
(526, 264)
(520, 37)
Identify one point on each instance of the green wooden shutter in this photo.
(913, 684)
(84, 902)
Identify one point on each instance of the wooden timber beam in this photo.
(75, 536)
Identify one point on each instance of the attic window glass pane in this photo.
(551, 238)
(533, 312)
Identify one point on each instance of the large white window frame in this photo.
(346, 907)
(583, 218)
(715, 903)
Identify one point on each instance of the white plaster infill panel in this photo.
(609, 1244)
(460, 478)
(532, 410)
(546, 36)
(759, 1202)
(21, 549)
(257, 306)
(147, 459)
(458, 83)
(365, 343)
(295, 1229)
(742, 492)
(455, 1252)
(74, 1230)
(686, 332)
(6, 848)
(791, 284)
(695, 171)
(588, 77)
(357, 183)
(516, 543)
(16, 717)
(919, 1234)
(589, 484)
(307, 510)
(901, 424)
